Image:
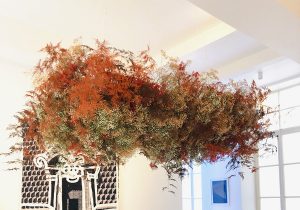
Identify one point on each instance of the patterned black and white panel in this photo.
(35, 186)
(107, 185)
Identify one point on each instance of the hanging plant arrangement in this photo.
(106, 104)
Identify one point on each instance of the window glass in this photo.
(286, 103)
(289, 97)
(272, 100)
(290, 147)
(292, 203)
(291, 179)
(273, 120)
(268, 157)
(290, 117)
(270, 204)
(269, 181)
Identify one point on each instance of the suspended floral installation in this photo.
(107, 104)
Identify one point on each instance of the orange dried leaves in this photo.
(104, 104)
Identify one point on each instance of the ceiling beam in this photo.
(248, 62)
(268, 21)
(212, 32)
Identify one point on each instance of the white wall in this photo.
(218, 171)
(14, 82)
(141, 187)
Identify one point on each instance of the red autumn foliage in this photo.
(106, 104)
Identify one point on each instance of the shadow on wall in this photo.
(140, 187)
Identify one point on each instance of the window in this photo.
(279, 173)
(191, 189)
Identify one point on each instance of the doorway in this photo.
(71, 195)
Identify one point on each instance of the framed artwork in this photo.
(219, 191)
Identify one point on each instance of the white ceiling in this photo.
(276, 24)
(223, 51)
(270, 29)
(26, 26)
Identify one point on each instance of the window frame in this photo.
(280, 132)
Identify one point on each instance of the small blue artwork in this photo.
(219, 192)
